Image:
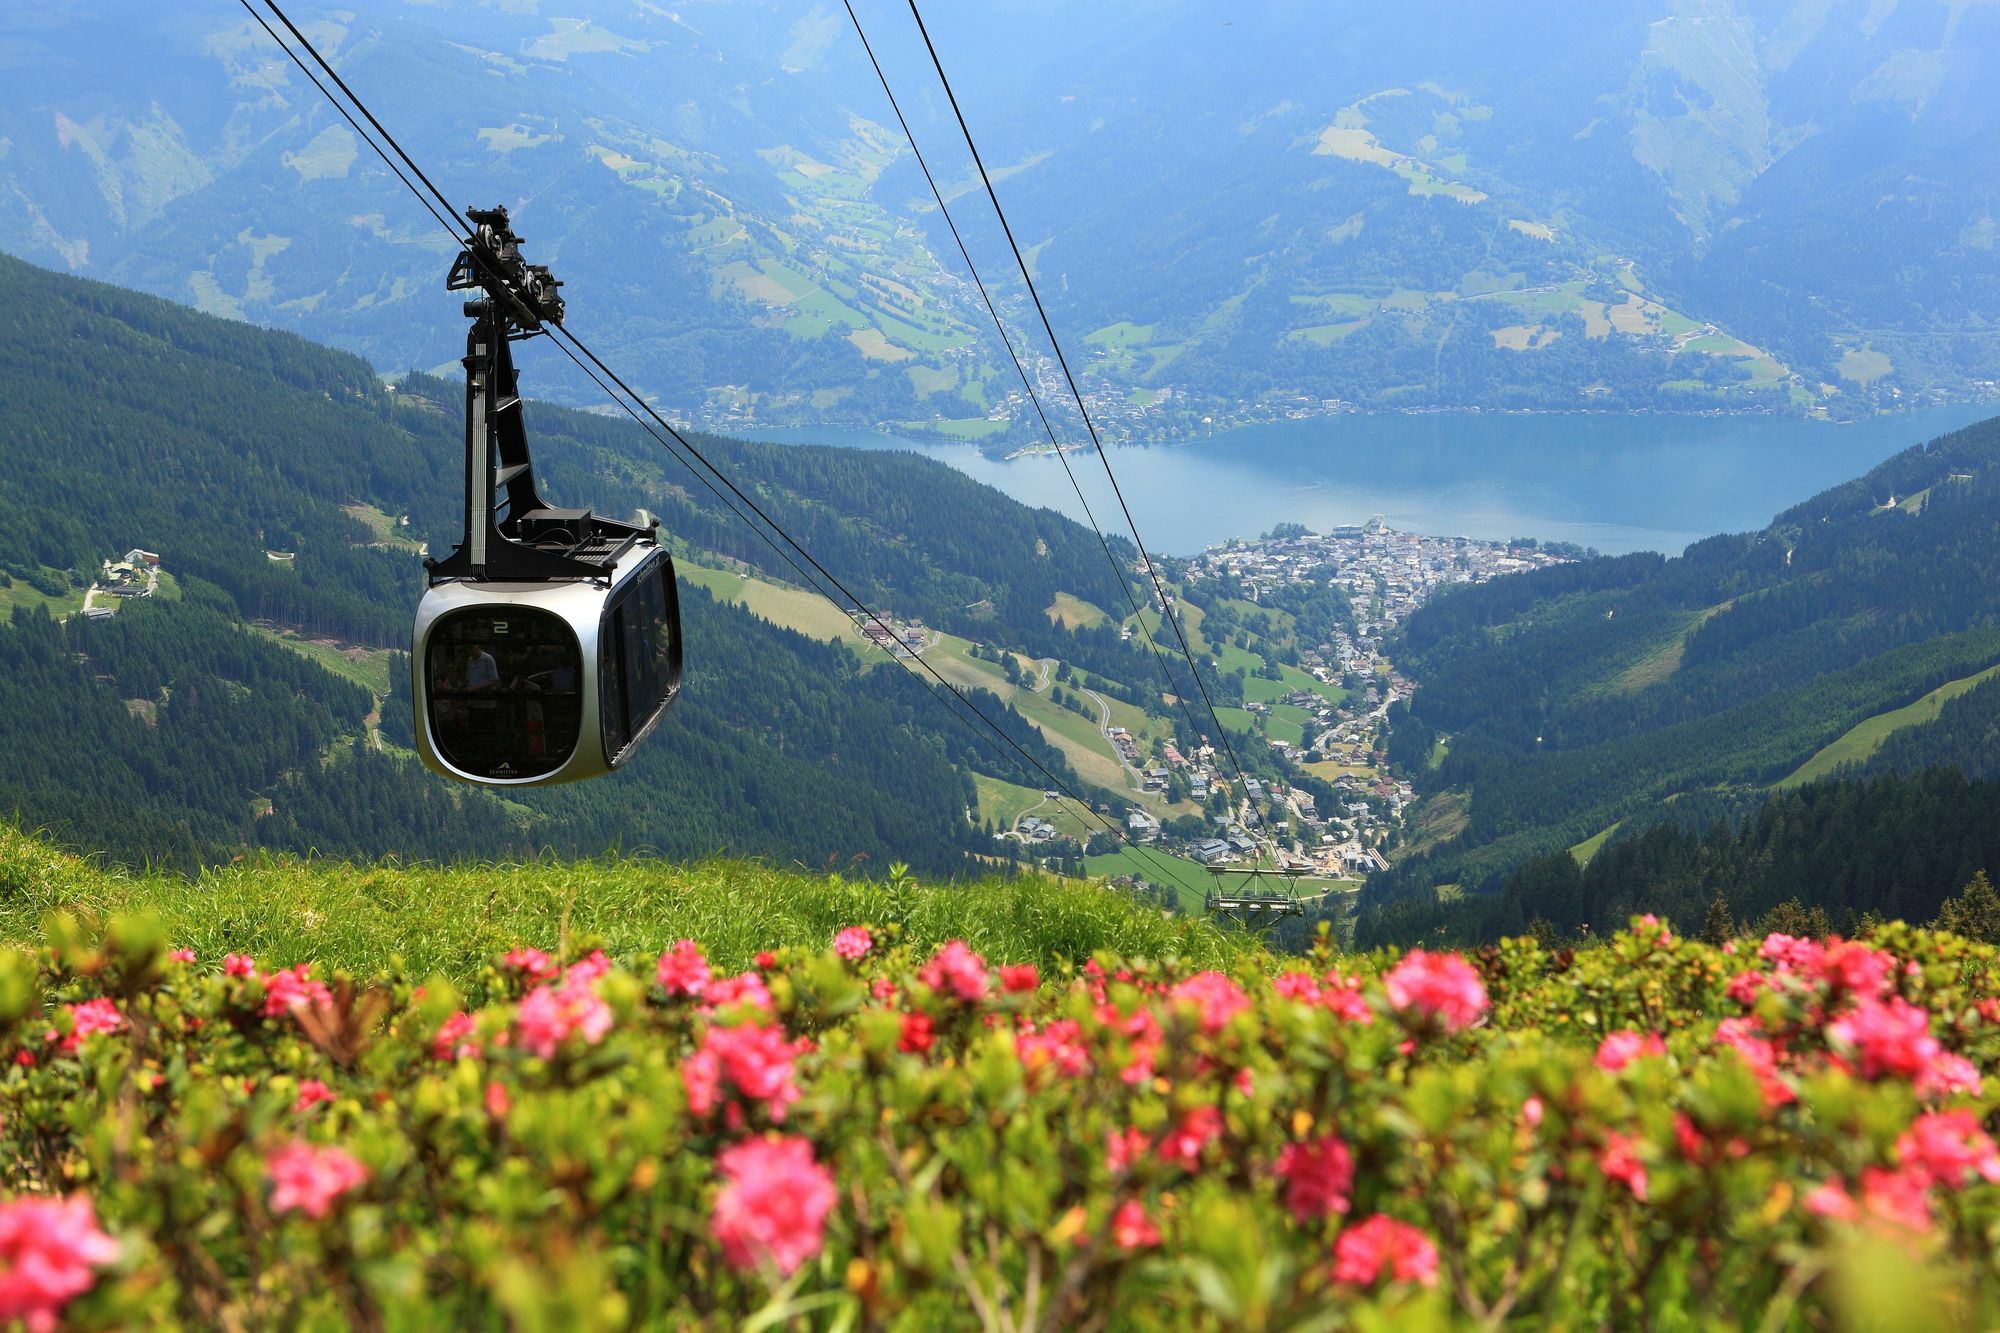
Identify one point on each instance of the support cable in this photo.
(1159, 588)
(1118, 571)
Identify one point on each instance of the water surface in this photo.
(1616, 482)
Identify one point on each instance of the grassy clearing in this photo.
(1156, 867)
(1863, 365)
(1077, 737)
(1325, 335)
(1866, 737)
(793, 608)
(1121, 334)
(1437, 820)
(1664, 660)
(21, 594)
(1070, 612)
(1004, 802)
(1592, 845)
(454, 920)
(366, 667)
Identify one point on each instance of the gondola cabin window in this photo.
(506, 696)
(638, 656)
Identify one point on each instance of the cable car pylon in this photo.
(548, 644)
(1250, 907)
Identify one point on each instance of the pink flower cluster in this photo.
(1383, 1247)
(293, 988)
(1318, 1177)
(309, 1178)
(773, 1205)
(683, 971)
(530, 963)
(48, 1249)
(754, 1059)
(1215, 997)
(1437, 987)
(87, 1018)
(956, 971)
(1621, 1048)
(551, 1014)
(853, 943)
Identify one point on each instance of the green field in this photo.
(454, 921)
(1592, 845)
(1071, 612)
(1156, 867)
(366, 667)
(1004, 802)
(21, 594)
(1866, 737)
(781, 604)
(1121, 334)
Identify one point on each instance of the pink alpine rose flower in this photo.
(310, 1178)
(1617, 1160)
(1019, 978)
(916, 1035)
(48, 1248)
(1058, 1046)
(181, 956)
(745, 988)
(454, 1038)
(1198, 1127)
(957, 971)
(683, 970)
(311, 1093)
(1123, 1147)
(1132, 1229)
(1947, 1075)
(1318, 1177)
(1948, 1148)
(90, 1017)
(1215, 996)
(1300, 986)
(1621, 1048)
(753, 1058)
(550, 1014)
(1855, 968)
(1888, 1038)
(1440, 986)
(853, 942)
(1383, 1247)
(773, 1206)
(533, 964)
(238, 965)
(587, 969)
(293, 988)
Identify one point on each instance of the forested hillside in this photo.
(187, 728)
(1565, 703)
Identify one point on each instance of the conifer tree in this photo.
(1974, 913)
(1720, 928)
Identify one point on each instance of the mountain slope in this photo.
(1574, 698)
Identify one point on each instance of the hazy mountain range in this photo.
(1251, 211)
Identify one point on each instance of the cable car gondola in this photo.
(548, 644)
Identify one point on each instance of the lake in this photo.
(1618, 483)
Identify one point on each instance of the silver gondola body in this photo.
(548, 644)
